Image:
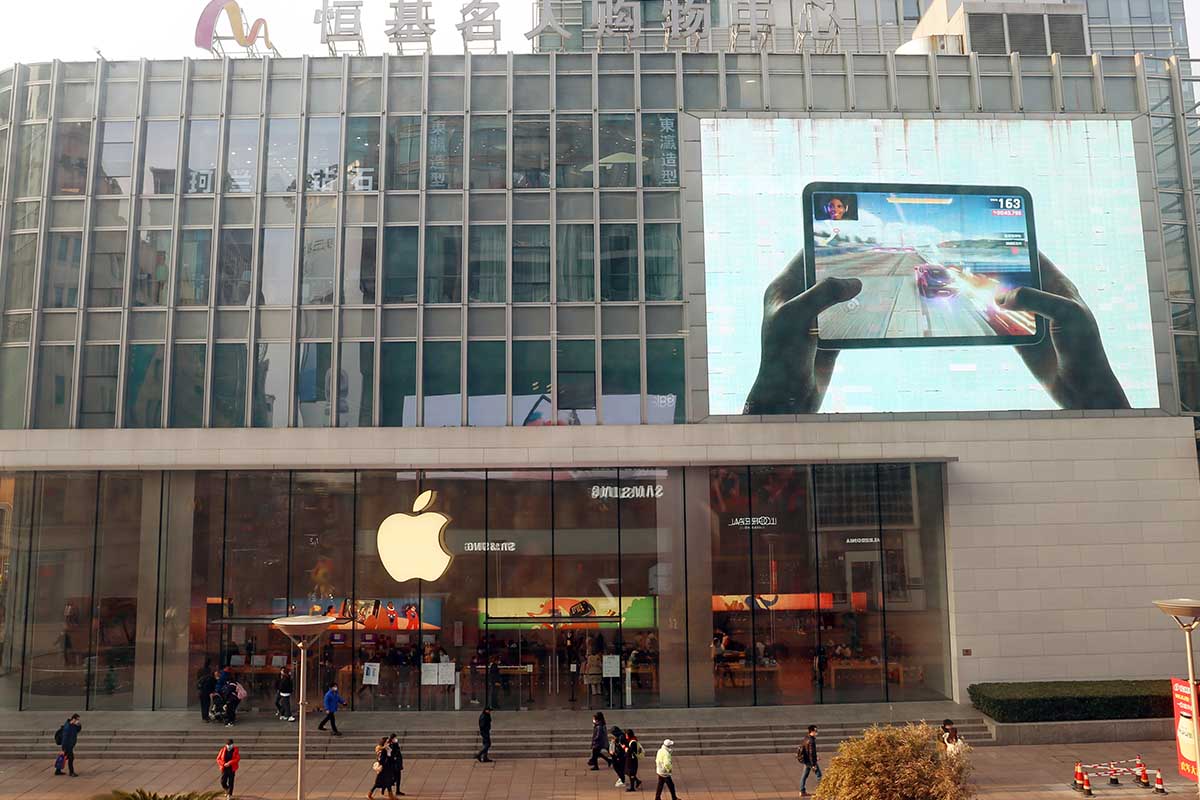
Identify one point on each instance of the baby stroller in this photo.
(218, 708)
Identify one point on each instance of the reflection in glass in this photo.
(486, 264)
(576, 259)
(485, 384)
(152, 264)
(398, 384)
(14, 362)
(665, 382)
(195, 254)
(356, 389)
(443, 384)
(621, 381)
(443, 265)
(19, 271)
(98, 386)
(283, 147)
(314, 385)
(444, 152)
(531, 383)
(256, 536)
(229, 385)
(31, 161)
(322, 159)
(404, 153)
(278, 266)
(400, 254)
(362, 154)
(233, 267)
(160, 154)
(660, 149)
(187, 386)
(59, 609)
(531, 152)
(574, 153)
(52, 403)
(144, 386)
(271, 379)
(106, 284)
(241, 156)
(618, 262)
(71, 149)
(358, 270)
(576, 384)
(61, 284)
(116, 158)
(531, 263)
(664, 274)
(618, 150)
(202, 141)
(489, 147)
(318, 254)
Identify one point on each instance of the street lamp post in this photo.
(304, 632)
(1186, 613)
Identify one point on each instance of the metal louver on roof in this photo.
(987, 34)
(1027, 34)
(1066, 35)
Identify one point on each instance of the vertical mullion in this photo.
(509, 122)
(35, 507)
(463, 256)
(298, 242)
(182, 142)
(214, 255)
(422, 186)
(816, 527)
(339, 245)
(381, 187)
(882, 592)
(93, 606)
(256, 192)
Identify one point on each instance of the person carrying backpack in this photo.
(806, 754)
(633, 753)
(228, 759)
(66, 737)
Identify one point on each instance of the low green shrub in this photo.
(1063, 701)
(142, 794)
(895, 762)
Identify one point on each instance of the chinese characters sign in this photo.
(1185, 733)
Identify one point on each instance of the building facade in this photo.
(253, 309)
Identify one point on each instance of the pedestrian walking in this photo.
(599, 741)
(65, 738)
(397, 761)
(228, 759)
(806, 754)
(633, 754)
(616, 749)
(206, 684)
(485, 735)
(384, 770)
(283, 694)
(664, 763)
(333, 701)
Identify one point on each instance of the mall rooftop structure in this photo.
(254, 308)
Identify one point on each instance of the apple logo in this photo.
(411, 546)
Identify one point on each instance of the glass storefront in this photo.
(581, 588)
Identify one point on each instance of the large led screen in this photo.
(858, 266)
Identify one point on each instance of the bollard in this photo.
(1077, 783)
(1158, 782)
(1087, 786)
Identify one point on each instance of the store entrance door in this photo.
(553, 665)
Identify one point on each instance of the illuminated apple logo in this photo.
(411, 546)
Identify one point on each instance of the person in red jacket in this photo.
(228, 758)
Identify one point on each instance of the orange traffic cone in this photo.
(1077, 784)
(1112, 775)
(1087, 786)
(1158, 783)
(1142, 778)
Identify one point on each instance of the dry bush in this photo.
(898, 763)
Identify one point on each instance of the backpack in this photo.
(639, 751)
(58, 735)
(240, 691)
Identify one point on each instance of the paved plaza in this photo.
(1002, 773)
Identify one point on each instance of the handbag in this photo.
(59, 761)
(376, 767)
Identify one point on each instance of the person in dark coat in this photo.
(70, 736)
(617, 755)
(599, 741)
(206, 684)
(485, 735)
(807, 755)
(283, 695)
(385, 776)
(397, 761)
(633, 753)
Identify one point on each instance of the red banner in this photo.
(1185, 733)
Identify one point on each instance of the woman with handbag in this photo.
(385, 771)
